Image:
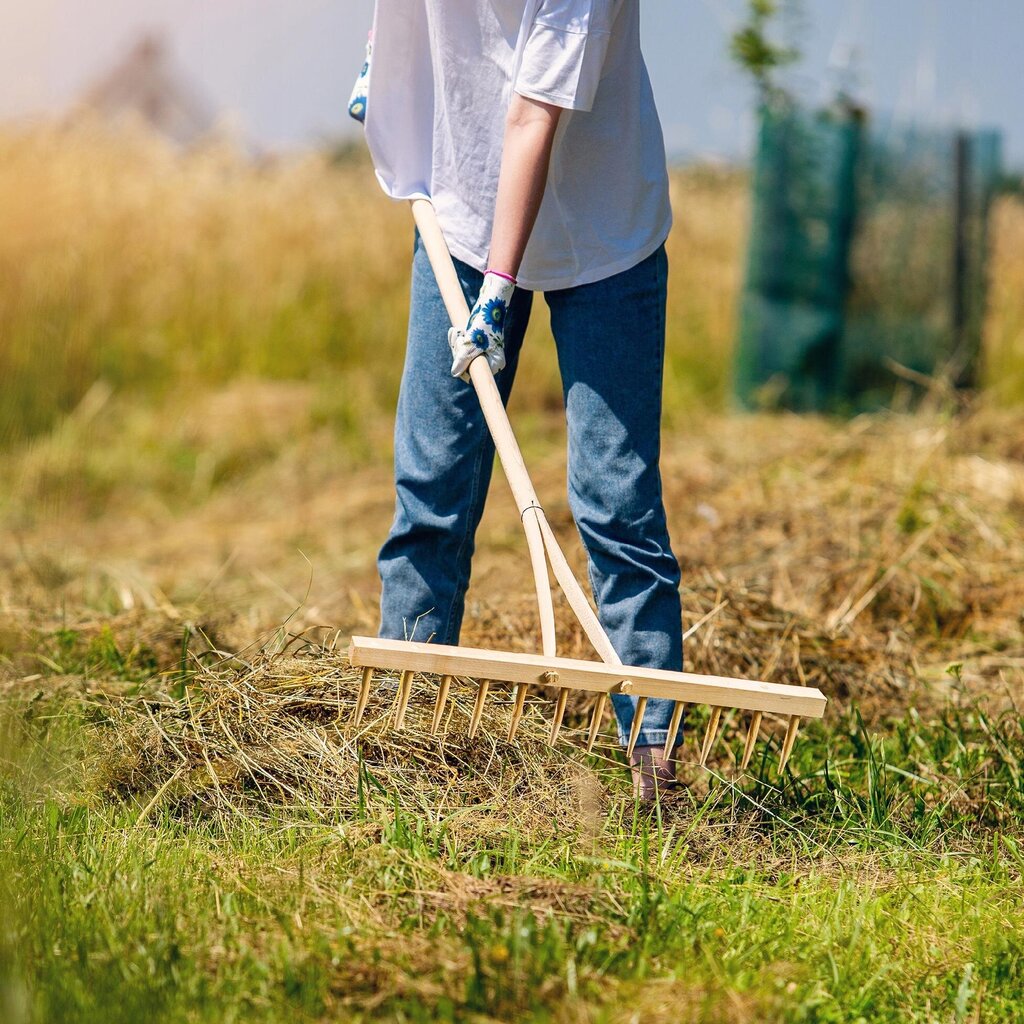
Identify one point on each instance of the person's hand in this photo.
(484, 334)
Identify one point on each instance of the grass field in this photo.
(196, 480)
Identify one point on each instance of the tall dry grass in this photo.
(122, 260)
(125, 261)
(1004, 324)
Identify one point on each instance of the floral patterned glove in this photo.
(357, 101)
(485, 332)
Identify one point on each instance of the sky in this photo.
(284, 68)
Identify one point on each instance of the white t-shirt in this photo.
(441, 80)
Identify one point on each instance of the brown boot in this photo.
(653, 773)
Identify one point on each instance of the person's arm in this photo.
(526, 153)
(529, 134)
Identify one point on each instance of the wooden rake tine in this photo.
(751, 741)
(787, 743)
(517, 710)
(595, 720)
(710, 734)
(439, 703)
(478, 708)
(638, 719)
(364, 695)
(402, 703)
(673, 728)
(556, 722)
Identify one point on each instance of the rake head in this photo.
(525, 670)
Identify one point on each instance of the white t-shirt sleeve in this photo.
(565, 50)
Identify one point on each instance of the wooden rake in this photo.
(524, 670)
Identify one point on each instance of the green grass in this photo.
(883, 882)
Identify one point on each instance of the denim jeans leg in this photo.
(610, 337)
(443, 461)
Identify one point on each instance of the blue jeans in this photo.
(610, 339)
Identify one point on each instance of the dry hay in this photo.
(739, 632)
(276, 732)
(861, 558)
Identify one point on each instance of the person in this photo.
(532, 128)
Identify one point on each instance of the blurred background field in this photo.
(178, 323)
(129, 263)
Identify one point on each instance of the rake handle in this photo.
(479, 372)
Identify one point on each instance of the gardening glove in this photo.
(484, 334)
(357, 101)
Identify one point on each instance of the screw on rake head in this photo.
(787, 743)
(748, 746)
(710, 734)
(673, 728)
(478, 707)
(442, 697)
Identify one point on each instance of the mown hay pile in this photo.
(736, 631)
(277, 732)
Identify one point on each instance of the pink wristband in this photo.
(498, 273)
